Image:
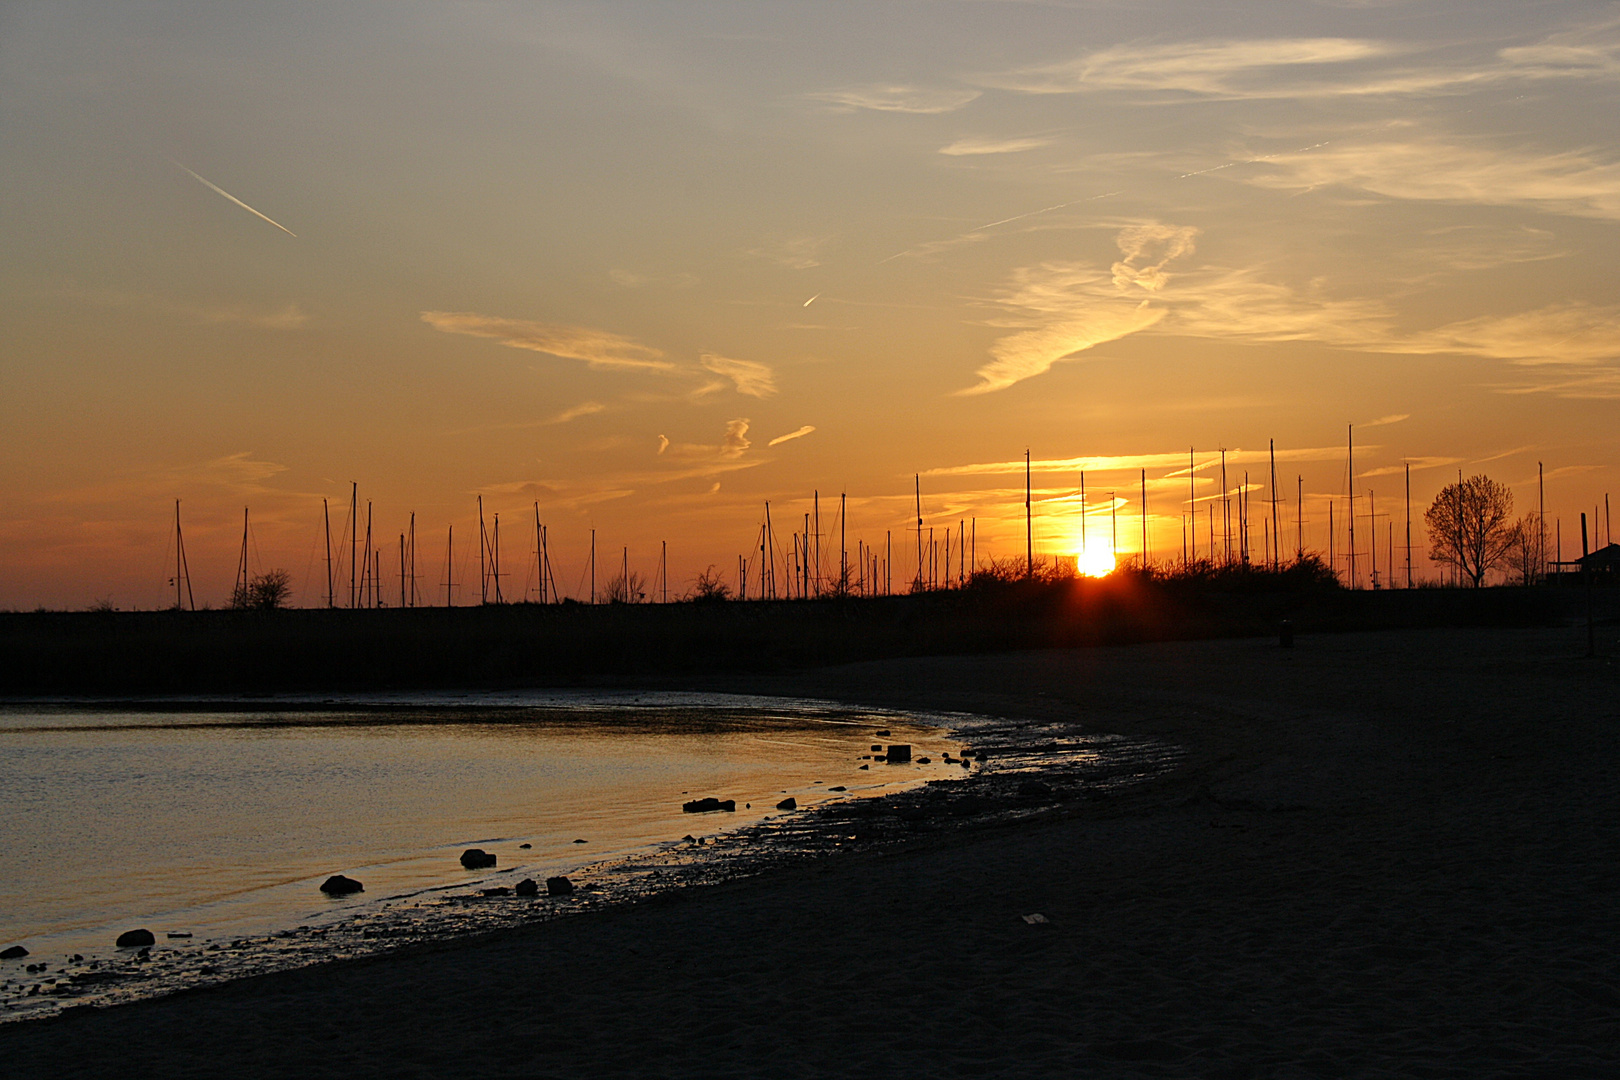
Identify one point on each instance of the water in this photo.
(222, 822)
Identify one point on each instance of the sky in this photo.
(651, 265)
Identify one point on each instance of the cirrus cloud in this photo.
(599, 348)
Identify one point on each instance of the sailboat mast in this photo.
(326, 516)
(354, 538)
(1350, 451)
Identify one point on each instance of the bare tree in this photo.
(1470, 526)
(633, 591)
(266, 592)
(1524, 556)
(710, 586)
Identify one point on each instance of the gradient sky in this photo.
(652, 264)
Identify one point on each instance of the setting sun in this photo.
(1095, 562)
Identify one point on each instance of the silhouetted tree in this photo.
(1527, 550)
(266, 592)
(710, 587)
(1470, 526)
(633, 591)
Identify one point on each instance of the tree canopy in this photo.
(1471, 526)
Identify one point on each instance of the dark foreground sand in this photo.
(1388, 854)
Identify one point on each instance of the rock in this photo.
(705, 806)
(338, 885)
(922, 761)
(884, 734)
(525, 847)
(476, 859)
(789, 803)
(898, 752)
(526, 887)
(14, 952)
(499, 890)
(559, 886)
(131, 939)
(579, 841)
(180, 933)
(866, 766)
(877, 746)
(840, 787)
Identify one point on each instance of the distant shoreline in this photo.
(313, 650)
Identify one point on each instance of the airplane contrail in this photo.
(812, 300)
(215, 187)
(1251, 161)
(1003, 221)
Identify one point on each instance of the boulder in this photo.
(132, 939)
(789, 803)
(526, 887)
(705, 806)
(338, 885)
(558, 886)
(525, 847)
(499, 890)
(840, 787)
(898, 752)
(14, 952)
(476, 859)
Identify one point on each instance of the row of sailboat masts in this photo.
(798, 569)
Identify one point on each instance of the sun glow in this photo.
(1095, 562)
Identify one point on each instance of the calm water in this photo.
(223, 823)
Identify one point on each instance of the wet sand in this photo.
(1384, 854)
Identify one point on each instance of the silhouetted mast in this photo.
(1409, 518)
(1350, 523)
(182, 569)
(1029, 522)
(326, 516)
(449, 567)
(239, 594)
(483, 545)
(916, 480)
(1144, 521)
(354, 539)
(1276, 537)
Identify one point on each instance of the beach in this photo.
(1392, 853)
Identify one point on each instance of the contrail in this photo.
(1251, 161)
(812, 300)
(215, 187)
(1003, 221)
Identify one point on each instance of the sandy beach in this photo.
(1383, 854)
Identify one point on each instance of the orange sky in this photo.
(653, 265)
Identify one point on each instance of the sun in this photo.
(1095, 562)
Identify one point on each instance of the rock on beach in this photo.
(339, 885)
(477, 859)
(133, 939)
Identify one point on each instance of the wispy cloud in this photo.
(793, 252)
(1271, 68)
(1566, 333)
(574, 412)
(749, 376)
(1176, 460)
(1069, 308)
(799, 434)
(970, 147)
(1393, 418)
(892, 97)
(288, 316)
(1573, 183)
(735, 441)
(598, 348)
